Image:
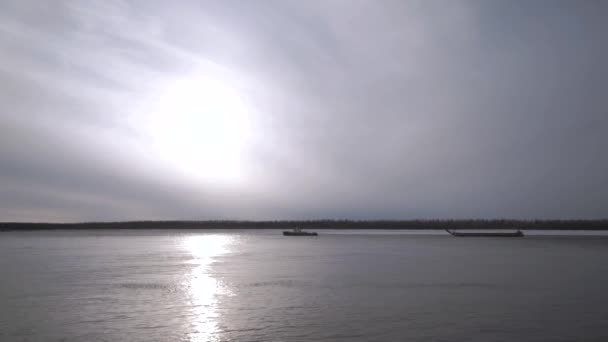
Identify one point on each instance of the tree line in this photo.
(323, 224)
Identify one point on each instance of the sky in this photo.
(360, 109)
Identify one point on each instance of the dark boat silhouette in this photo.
(517, 233)
(299, 232)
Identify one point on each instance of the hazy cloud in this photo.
(358, 109)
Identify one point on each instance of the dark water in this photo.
(260, 286)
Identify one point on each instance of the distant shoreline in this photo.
(321, 224)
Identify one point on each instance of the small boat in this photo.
(517, 233)
(299, 232)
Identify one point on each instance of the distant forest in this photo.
(323, 224)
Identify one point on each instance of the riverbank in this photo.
(321, 224)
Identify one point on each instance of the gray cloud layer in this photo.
(359, 109)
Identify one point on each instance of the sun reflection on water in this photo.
(203, 287)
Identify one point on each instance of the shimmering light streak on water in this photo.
(203, 287)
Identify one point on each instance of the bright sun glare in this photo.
(201, 125)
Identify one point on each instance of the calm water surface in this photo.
(260, 286)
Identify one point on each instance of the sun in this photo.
(201, 126)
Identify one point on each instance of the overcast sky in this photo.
(117, 110)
